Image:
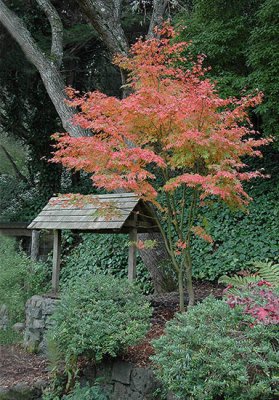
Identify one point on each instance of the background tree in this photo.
(47, 58)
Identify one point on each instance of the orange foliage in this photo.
(174, 121)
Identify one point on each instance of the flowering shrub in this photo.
(257, 300)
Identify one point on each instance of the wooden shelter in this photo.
(108, 213)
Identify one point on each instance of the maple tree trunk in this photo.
(181, 291)
(155, 260)
(190, 289)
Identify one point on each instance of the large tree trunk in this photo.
(104, 16)
(46, 67)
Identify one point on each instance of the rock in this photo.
(19, 327)
(143, 381)
(4, 317)
(121, 372)
(120, 392)
(38, 324)
(38, 310)
(21, 391)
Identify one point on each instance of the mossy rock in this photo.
(20, 392)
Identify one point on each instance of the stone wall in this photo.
(4, 317)
(122, 380)
(38, 310)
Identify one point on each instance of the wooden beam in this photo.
(35, 245)
(56, 260)
(132, 268)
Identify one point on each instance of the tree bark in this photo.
(47, 68)
(35, 245)
(56, 30)
(159, 8)
(104, 16)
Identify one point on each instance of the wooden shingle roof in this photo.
(60, 214)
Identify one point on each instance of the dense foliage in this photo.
(98, 316)
(239, 238)
(102, 254)
(216, 352)
(260, 300)
(19, 279)
(239, 40)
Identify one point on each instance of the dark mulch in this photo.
(16, 365)
(164, 308)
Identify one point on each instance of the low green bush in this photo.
(20, 278)
(102, 254)
(214, 352)
(98, 316)
(79, 393)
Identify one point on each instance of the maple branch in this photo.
(56, 30)
(166, 242)
(183, 203)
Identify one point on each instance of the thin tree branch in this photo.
(56, 30)
(15, 167)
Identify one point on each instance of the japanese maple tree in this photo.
(173, 141)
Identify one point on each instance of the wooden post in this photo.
(56, 260)
(35, 245)
(132, 268)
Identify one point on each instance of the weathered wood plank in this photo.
(80, 218)
(35, 245)
(76, 225)
(63, 207)
(79, 212)
(56, 260)
(132, 267)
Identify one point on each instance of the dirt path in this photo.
(18, 366)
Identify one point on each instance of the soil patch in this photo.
(16, 366)
(164, 308)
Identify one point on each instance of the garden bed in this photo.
(18, 366)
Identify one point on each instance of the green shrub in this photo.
(212, 352)
(20, 278)
(98, 316)
(79, 393)
(103, 254)
(86, 393)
